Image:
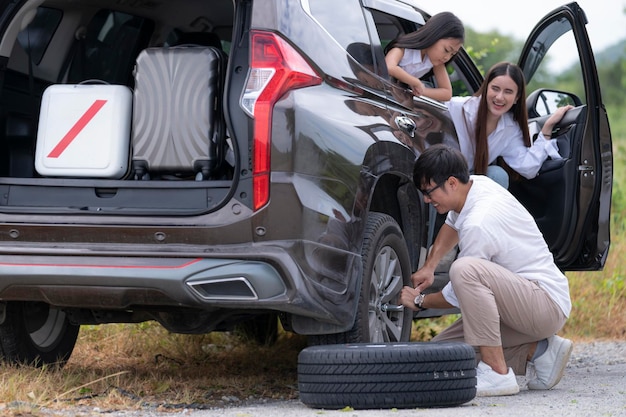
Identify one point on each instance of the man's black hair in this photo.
(438, 163)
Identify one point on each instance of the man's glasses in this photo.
(430, 190)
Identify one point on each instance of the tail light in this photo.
(275, 69)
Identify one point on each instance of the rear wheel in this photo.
(386, 269)
(36, 334)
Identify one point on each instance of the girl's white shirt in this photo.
(413, 63)
(505, 141)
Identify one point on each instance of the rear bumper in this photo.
(182, 281)
(269, 278)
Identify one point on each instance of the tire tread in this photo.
(399, 375)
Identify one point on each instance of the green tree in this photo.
(613, 75)
(491, 47)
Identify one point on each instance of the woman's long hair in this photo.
(440, 26)
(519, 111)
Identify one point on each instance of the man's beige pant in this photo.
(499, 307)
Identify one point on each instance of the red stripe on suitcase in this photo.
(77, 128)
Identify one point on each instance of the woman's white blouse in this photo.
(505, 141)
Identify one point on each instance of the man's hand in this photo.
(432, 300)
(423, 278)
(407, 297)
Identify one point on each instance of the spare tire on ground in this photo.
(387, 375)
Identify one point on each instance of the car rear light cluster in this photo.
(275, 69)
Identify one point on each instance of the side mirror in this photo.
(544, 102)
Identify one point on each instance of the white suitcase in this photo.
(84, 131)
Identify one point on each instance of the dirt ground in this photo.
(593, 385)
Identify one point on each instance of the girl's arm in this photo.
(392, 59)
(443, 91)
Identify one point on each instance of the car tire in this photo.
(389, 375)
(380, 316)
(36, 334)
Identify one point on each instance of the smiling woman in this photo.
(493, 124)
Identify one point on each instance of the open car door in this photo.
(571, 197)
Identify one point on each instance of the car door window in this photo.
(106, 50)
(333, 16)
(389, 26)
(544, 64)
(37, 35)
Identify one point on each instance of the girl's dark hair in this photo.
(440, 26)
(438, 163)
(519, 111)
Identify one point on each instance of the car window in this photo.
(553, 72)
(35, 38)
(389, 27)
(340, 20)
(108, 48)
(460, 84)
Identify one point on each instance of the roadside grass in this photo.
(119, 366)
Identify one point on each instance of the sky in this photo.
(606, 27)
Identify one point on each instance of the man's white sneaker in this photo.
(550, 366)
(492, 384)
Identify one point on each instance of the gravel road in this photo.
(594, 385)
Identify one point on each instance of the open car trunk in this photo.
(120, 124)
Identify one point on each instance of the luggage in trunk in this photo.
(177, 115)
(84, 131)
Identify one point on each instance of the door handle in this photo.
(406, 124)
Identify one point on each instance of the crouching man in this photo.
(513, 298)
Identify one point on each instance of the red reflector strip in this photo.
(261, 194)
(77, 128)
(184, 264)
